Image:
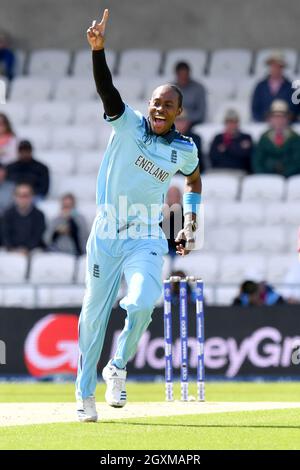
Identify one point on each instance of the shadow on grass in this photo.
(199, 426)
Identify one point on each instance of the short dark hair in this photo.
(249, 287)
(179, 93)
(25, 145)
(182, 66)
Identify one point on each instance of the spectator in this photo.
(7, 57)
(175, 288)
(275, 86)
(278, 150)
(6, 190)
(194, 96)
(68, 231)
(173, 217)
(28, 170)
(8, 141)
(6, 195)
(232, 149)
(256, 294)
(183, 126)
(23, 223)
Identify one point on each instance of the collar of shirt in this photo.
(169, 136)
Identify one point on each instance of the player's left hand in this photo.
(185, 240)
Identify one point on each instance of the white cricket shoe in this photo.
(86, 410)
(115, 379)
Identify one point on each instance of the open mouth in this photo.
(159, 122)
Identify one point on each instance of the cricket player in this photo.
(141, 157)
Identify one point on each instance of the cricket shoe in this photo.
(86, 410)
(115, 379)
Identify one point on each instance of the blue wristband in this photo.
(191, 202)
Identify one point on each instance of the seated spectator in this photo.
(7, 57)
(278, 150)
(232, 149)
(183, 126)
(8, 141)
(28, 170)
(256, 294)
(23, 223)
(274, 87)
(6, 195)
(68, 232)
(173, 217)
(194, 95)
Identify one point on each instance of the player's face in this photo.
(163, 109)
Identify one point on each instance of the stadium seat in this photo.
(16, 112)
(51, 268)
(293, 188)
(82, 186)
(80, 270)
(236, 268)
(290, 55)
(140, 105)
(13, 268)
(141, 63)
(50, 63)
(209, 294)
(218, 90)
(61, 162)
(131, 88)
(88, 210)
(74, 138)
(39, 136)
(240, 213)
(88, 163)
(241, 107)
(292, 238)
(30, 89)
(83, 66)
(223, 240)
(255, 129)
(278, 267)
(210, 214)
(88, 112)
(231, 63)
(202, 265)
(264, 239)
(226, 295)
(67, 296)
(282, 213)
(245, 87)
(74, 89)
(223, 187)
(3, 90)
(196, 58)
(153, 83)
(207, 133)
(18, 296)
(49, 207)
(263, 188)
(20, 57)
(103, 135)
(50, 114)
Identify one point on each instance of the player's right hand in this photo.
(96, 33)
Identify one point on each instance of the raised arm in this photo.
(112, 101)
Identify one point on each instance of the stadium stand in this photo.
(250, 221)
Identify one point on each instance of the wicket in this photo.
(183, 318)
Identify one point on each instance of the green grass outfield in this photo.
(272, 429)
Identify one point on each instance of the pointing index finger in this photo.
(104, 18)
